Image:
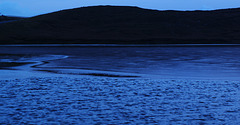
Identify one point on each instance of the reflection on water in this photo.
(182, 61)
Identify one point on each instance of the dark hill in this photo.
(9, 18)
(122, 24)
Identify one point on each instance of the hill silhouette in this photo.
(8, 18)
(124, 24)
(5, 19)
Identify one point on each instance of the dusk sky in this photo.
(35, 7)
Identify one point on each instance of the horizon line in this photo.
(180, 10)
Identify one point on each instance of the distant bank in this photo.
(125, 25)
(9, 18)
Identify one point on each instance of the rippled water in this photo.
(118, 101)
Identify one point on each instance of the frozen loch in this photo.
(119, 85)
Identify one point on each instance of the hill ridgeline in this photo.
(125, 25)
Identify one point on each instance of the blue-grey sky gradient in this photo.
(35, 7)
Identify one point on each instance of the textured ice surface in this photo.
(209, 62)
(54, 89)
(61, 100)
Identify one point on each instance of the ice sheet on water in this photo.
(6, 60)
(42, 58)
(30, 58)
(221, 62)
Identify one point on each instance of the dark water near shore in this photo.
(195, 61)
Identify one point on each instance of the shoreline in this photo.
(119, 45)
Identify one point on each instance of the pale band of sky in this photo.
(29, 8)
